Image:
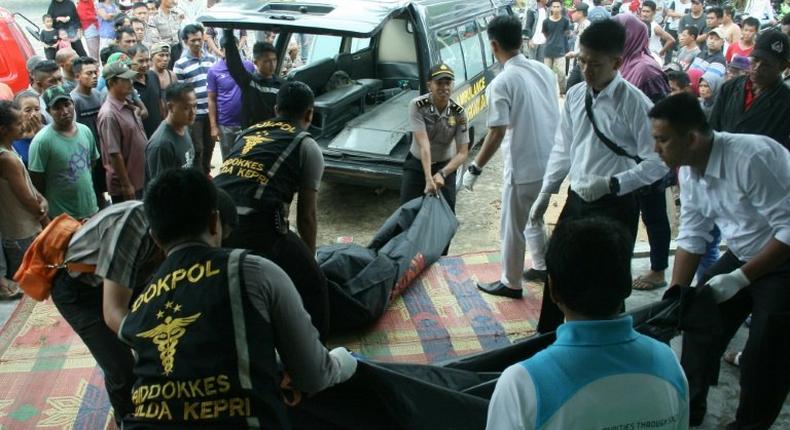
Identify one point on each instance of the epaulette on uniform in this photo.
(455, 108)
(423, 101)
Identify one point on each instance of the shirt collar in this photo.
(514, 60)
(610, 88)
(715, 159)
(597, 332)
(117, 104)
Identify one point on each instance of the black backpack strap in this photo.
(606, 141)
(280, 160)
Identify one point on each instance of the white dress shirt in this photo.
(620, 112)
(523, 97)
(745, 190)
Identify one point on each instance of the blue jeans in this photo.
(711, 253)
(13, 251)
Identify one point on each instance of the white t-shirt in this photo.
(539, 38)
(655, 40)
(523, 97)
(681, 7)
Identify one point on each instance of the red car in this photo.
(15, 49)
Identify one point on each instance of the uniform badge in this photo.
(451, 121)
(167, 334)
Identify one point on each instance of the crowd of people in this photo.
(125, 144)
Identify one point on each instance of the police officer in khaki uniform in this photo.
(436, 122)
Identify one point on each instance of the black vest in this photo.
(204, 356)
(263, 171)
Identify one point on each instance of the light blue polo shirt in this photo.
(596, 375)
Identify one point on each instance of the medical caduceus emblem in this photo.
(166, 335)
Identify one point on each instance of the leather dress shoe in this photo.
(499, 289)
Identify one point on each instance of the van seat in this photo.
(334, 108)
(393, 72)
(315, 75)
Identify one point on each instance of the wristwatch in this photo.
(614, 186)
(473, 169)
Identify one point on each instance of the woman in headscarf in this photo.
(639, 67)
(642, 70)
(709, 85)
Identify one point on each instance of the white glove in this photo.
(539, 208)
(593, 187)
(726, 285)
(469, 180)
(346, 361)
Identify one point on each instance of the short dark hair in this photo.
(137, 48)
(136, 20)
(261, 48)
(607, 36)
(45, 16)
(178, 204)
(78, 62)
(727, 10)
(119, 22)
(7, 116)
(294, 99)
(719, 12)
(191, 29)
(682, 111)
(125, 29)
(506, 31)
(139, 4)
(46, 66)
(679, 76)
(589, 265)
(177, 90)
(108, 50)
(692, 30)
(651, 4)
(751, 22)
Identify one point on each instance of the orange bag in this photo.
(46, 255)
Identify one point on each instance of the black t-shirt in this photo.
(556, 37)
(65, 8)
(149, 94)
(48, 37)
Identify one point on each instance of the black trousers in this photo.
(81, 306)
(413, 181)
(653, 205)
(200, 131)
(624, 209)
(289, 252)
(765, 373)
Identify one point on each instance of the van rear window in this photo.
(450, 52)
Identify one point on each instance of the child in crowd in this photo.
(23, 210)
(49, 37)
(64, 41)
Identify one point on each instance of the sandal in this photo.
(733, 358)
(10, 290)
(642, 284)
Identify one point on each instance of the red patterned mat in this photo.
(48, 379)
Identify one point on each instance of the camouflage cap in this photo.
(54, 94)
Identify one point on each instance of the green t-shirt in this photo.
(66, 164)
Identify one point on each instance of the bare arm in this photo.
(490, 145)
(212, 114)
(685, 267)
(306, 221)
(115, 303)
(458, 160)
(13, 172)
(669, 41)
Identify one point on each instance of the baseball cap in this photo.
(772, 44)
(442, 71)
(33, 61)
(160, 47)
(739, 62)
(581, 7)
(54, 94)
(718, 32)
(119, 57)
(118, 70)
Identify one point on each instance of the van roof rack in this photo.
(281, 10)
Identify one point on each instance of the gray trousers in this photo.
(227, 137)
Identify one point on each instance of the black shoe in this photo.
(499, 289)
(535, 275)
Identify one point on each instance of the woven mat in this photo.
(48, 378)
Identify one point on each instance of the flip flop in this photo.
(651, 285)
(10, 291)
(733, 357)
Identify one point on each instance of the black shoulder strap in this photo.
(606, 141)
(280, 160)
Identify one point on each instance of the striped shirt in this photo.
(116, 240)
(194, 70)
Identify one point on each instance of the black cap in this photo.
(581, 7)
(442, 71)
(772, 44)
